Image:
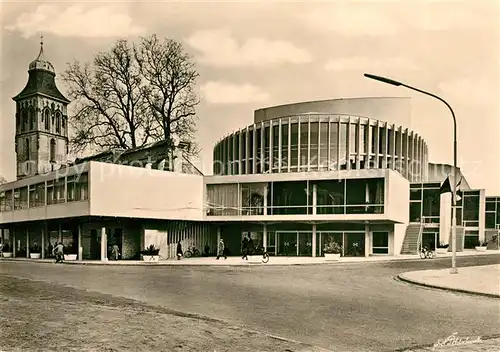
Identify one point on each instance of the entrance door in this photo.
(429, 239)
(305, 244)
(287, 243)
(354, 244)
(380, 244)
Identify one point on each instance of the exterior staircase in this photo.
(412, 239)
(460, 239)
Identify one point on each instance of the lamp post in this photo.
(454, 183)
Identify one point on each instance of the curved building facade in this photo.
(320, 141)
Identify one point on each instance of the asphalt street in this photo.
(341, 307)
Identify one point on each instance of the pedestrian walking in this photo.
(221, 250)
(115, 252)
(179, 251)
(244, 247)
(251, 247)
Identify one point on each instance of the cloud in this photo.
(220, 92)
(351, 20)
(477, 91)
(441, 16)
(218, 48)
(363, 63)
(75, 21)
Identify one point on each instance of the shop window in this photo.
(330, 197)
(380, 243)
(290, 198)
(82, 187)
(252, 198)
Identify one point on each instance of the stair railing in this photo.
(419, 238)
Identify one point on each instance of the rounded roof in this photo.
(40, 63)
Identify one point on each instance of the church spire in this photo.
(40, 62)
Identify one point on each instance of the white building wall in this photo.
(126, 191)
(445, 218)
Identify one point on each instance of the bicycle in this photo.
(192, 252)
(265, 255)
(426, 253)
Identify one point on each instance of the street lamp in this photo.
(454, 190)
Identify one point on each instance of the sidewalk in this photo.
(460, 344)
(481, 280)
(237, 261)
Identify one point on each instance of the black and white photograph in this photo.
(250, 176)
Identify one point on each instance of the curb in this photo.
(430, 346)
(158, 264)
(443, 288)
(124, 263)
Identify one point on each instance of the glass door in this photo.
(305, 244)
(287, 243)
(354, 244)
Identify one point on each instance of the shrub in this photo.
(151, 250)
(332, 247)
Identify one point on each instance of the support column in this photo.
(43, 242)
(2, 236)
(104, 245)
(315, 198)
(80, 248)
(27, 242)
(59, 233)
(266, 190)
(314, 240)
(218, 241)
(264, 238)
(13, 242)
(368, 240)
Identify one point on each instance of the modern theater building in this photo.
(298, 175)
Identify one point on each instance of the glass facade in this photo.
(321, 142)
(492, 212)
(65, 189)
(425, 202)
(356, 196)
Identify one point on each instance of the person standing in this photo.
(179, 251)
(49, 250)
(221, 250)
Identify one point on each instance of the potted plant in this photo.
(481, 246)
(35, 251)
(442, 248)
(71, 251)
(6, 253)
(332, 250)
(150, 254)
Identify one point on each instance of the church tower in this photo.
(41, 121)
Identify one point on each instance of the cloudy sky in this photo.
(256, 54)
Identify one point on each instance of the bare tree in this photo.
(170, 77)
(132, 95)
(2, 180)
